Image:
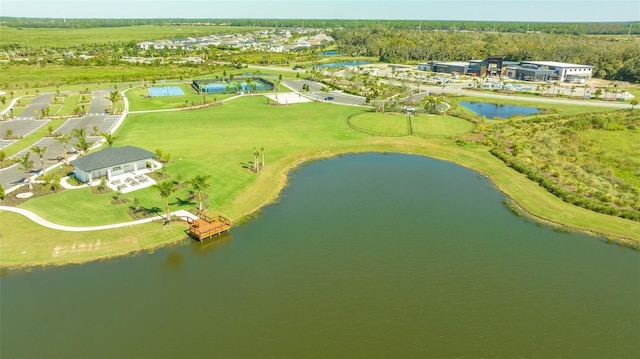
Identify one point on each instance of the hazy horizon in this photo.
(428, 10)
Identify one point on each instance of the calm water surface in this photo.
(365, 256)
(492, 110)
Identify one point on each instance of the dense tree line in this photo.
(599, 28)
(614, 58)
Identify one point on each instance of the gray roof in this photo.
(110, 157)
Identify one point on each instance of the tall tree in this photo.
(199, 184)
(26, 165)
(40, 152)
(165, 190)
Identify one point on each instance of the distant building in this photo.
(525, 70)
(450, 67)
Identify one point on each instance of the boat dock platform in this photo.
(206, 227)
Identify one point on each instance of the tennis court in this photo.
(165, 91)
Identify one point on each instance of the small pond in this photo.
(492, 110)
(340, 64)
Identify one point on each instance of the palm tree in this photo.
(64, 139)
(109, 137)
(199, 184)
(26, 165)
(256, 167)
(40, 152)
(262, 154)
(82, 146)
(165, 190)
(634, 103)
(114, 97)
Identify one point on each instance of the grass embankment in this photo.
(219, 141)
(24, 244)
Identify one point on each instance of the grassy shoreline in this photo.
(122, 242)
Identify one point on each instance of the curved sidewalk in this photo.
(43, 222)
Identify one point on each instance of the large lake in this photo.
(365, 256)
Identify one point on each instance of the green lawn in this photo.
(440, 126)
(216, 141)
(382, 124)
(393, 125)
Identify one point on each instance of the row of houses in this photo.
(263, 40)
(523, 70)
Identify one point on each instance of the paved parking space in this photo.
(37, 104)
(102, 122)
(5, 143)
(20, 127)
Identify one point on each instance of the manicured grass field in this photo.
(382, 124)
(393, 125)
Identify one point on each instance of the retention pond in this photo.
(365, 256)
(492, 110)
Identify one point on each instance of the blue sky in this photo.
(489, 10)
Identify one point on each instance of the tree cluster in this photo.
(614, 58)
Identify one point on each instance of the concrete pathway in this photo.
(43, 222)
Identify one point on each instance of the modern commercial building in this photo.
(563, 71)
(525, 70)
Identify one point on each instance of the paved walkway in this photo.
(43, 222)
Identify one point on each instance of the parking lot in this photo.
(316, 94)
(95, 121)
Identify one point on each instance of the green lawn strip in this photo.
(32, 138)
(71, 102)
(25, 243)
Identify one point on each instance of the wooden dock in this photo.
(206, 227)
